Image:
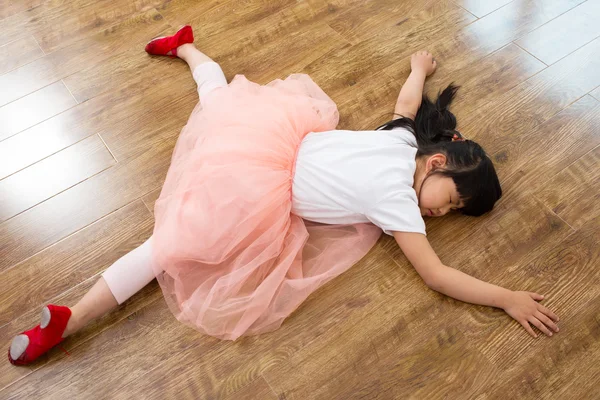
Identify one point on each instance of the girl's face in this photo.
(437, 194)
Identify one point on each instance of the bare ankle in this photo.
(73, 325)
(185, 49)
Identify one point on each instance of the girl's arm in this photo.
(409, 100)
(451, 282)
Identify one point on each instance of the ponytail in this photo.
(434, 123)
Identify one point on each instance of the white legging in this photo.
(130, 273)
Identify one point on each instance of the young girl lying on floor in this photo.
(265, 202)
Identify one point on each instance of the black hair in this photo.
(467, 163)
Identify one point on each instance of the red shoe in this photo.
(162, 45)
(28, 346)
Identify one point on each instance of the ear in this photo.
(436, 161)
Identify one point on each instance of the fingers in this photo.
(546, 321)
(539, 325)
(525, 325)
(549, 313)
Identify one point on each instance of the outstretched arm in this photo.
(422, 65)
(451, 282)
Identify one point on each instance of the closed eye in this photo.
(454, 208)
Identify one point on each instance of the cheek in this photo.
(429, 200)
(425, 200)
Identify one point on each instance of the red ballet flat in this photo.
(162, 45)
(29, 345)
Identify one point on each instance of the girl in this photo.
(264, 202)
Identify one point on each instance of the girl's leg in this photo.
(127, 276)
(120, 281)
(207, 73)
(133, 271)
(192, 56)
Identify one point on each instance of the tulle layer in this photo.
(230, 257)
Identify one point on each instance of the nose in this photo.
(442, 211)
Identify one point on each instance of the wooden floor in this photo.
(88, 123)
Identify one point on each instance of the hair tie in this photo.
(455, 138)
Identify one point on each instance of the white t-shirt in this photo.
(348, 177)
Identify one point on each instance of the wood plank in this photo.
(493, 32)
(229, 39)
(74, 57)
(32, 20)
(482, 81)
(567, 276)
(596, 93)
(359, 22)
(564, 34)
(389, 363)
(124, 145)
(55, 25)
(81, 22)
(11, 7)
(19, 52)
(549, 148)
(238, 51)
(481, 8)
(574, 193)
(371, 103)
(129, 106)
(53, 175)
(24, 235)
(132, 69)
(503, 124)
(258, 389)
(212, 19)
(34, 108)
(150, 199)
(349, 65)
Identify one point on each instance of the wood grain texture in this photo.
(19, 52)
(573, 194)
(70, 59)
(80, 174)
(502, 125)
(554, 145)
(11, 7)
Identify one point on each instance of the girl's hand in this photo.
(522, 306)
(423, 61)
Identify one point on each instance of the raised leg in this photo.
(207, 73)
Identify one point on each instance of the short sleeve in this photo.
(398, 212)
(406, 136)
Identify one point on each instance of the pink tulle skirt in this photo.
(230, 257)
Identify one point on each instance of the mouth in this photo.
(429, 212)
